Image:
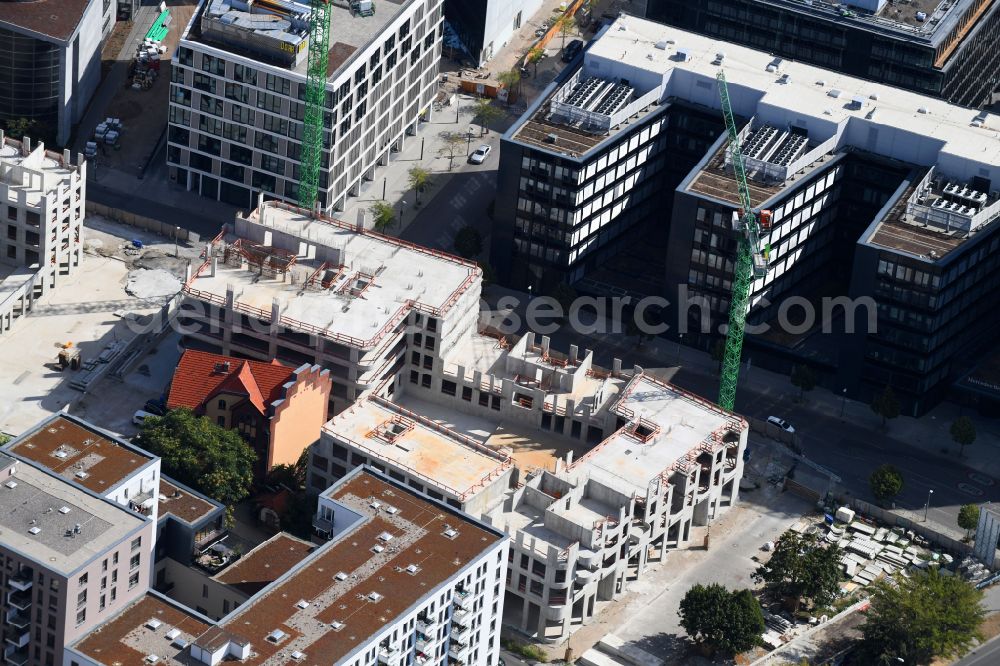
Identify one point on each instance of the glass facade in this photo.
(29, 78)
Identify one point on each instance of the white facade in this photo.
(236, 122)
(43, 201)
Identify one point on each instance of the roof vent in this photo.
(60, 454)
(662, 45)
(833, 93)
(341, 576)
(551, 138)
(923, 109)
(11, 484)
(450, 533)
(391, 510)
(302, 605)
(298, 656)
(154, 624)
(64, 510)
(34, 530)
(385, 536)
(412, 569)
(377, 548)
(336, 626)
(374, 597)
(81, 475)
(222, 367)
(375, 505)
(151, 659)
(173, 633)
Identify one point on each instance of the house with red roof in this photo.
(277, 409)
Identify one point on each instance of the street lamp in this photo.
(677, 361)
(843, 402)
(177, 231)
(468, 143)
(927, 506)
(402, 202)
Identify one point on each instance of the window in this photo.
(81, 599)
(83, 580)
(221, 421)
(81, 617)
(136, 545)
(133, 563)
(222, 404)
(133, 580)
(103, 603)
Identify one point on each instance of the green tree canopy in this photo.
(886, 405)
(200, 454)
(804, 378)
(968, 517)
(731, 622)
(383, 216)
(918, 618)
(886, 482)
(535, 56)
(468, 242)
(418, 178)
(963, 433)
(802, 567)
(451, 143)
(292, 477)
(485, 113)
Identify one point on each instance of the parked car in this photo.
(572, 49)
(781, 423)
(479, 154)
(140, 416)
(155, 407)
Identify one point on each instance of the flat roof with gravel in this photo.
(54, 523)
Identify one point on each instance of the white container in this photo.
(844, 514)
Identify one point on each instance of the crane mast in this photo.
(311, 158)
(751, 258)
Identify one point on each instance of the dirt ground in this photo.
(144, 112)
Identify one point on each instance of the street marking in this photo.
(981, 479)
(970, 490)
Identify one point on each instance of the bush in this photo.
(526, 650)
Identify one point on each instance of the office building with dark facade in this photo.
(861, 178)
(942, 48)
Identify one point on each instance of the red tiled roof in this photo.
(196, 380)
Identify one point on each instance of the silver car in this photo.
(479, 155)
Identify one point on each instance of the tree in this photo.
(535, 56)
(468, 242)
(801, 566)
(17, 128)
(886, 482)
(968, 518)
(485, 113)
(804, 378)
(489, 276)
(565, 26)
(4, 438)
(963, 433)
(452, 143)
(383, 216)
(200, 454)
(292, 477)
(718, 619)
(511, 80)
(916, 619)
(886, 405)
(419, 178)
(297, 518)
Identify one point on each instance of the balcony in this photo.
(389, 656)
(460, 617)
(15, 657)
(19, 600)
(459, 653)
(422, 642)
(18, 620)
(425, 626)
(20, 582)
(463, 600)
(17, 637)
(460, 636)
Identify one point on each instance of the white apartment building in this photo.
(42, 205)
(307, 288)
(403, 580)
(238, 85)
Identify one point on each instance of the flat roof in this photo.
(184, 503)
(663, 63)
(129, 637)
(53, 18)
(447, 459)
(266, 563)
(80, 453)
(36, 173)
(417, 538)
(348, 34)
(39, 515)
(677, 423)
(357, 297)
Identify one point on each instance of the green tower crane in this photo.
(751, 258)
(315, 103)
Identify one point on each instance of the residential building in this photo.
(404, 579)
(71, 558)
(310, 289)
(43, 197)
(237, 96)
(278, 410)
(844, 165)
(485, 26)
(50, 61)
(939, 48)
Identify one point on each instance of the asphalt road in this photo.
(987, 654)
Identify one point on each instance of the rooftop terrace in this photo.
(351, 286)
(275, 32)
(411, 442)
(80, 453)
(416, 532)
(55, 523)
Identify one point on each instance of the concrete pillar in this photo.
(545, 345)
(212, 269)
(573, 353)
(616, 367)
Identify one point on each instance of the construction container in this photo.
(111, 138)
(766, 217)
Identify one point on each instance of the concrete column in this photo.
(573, 353)
(616, 367)
(545, 345)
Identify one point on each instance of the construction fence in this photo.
(147, 223)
